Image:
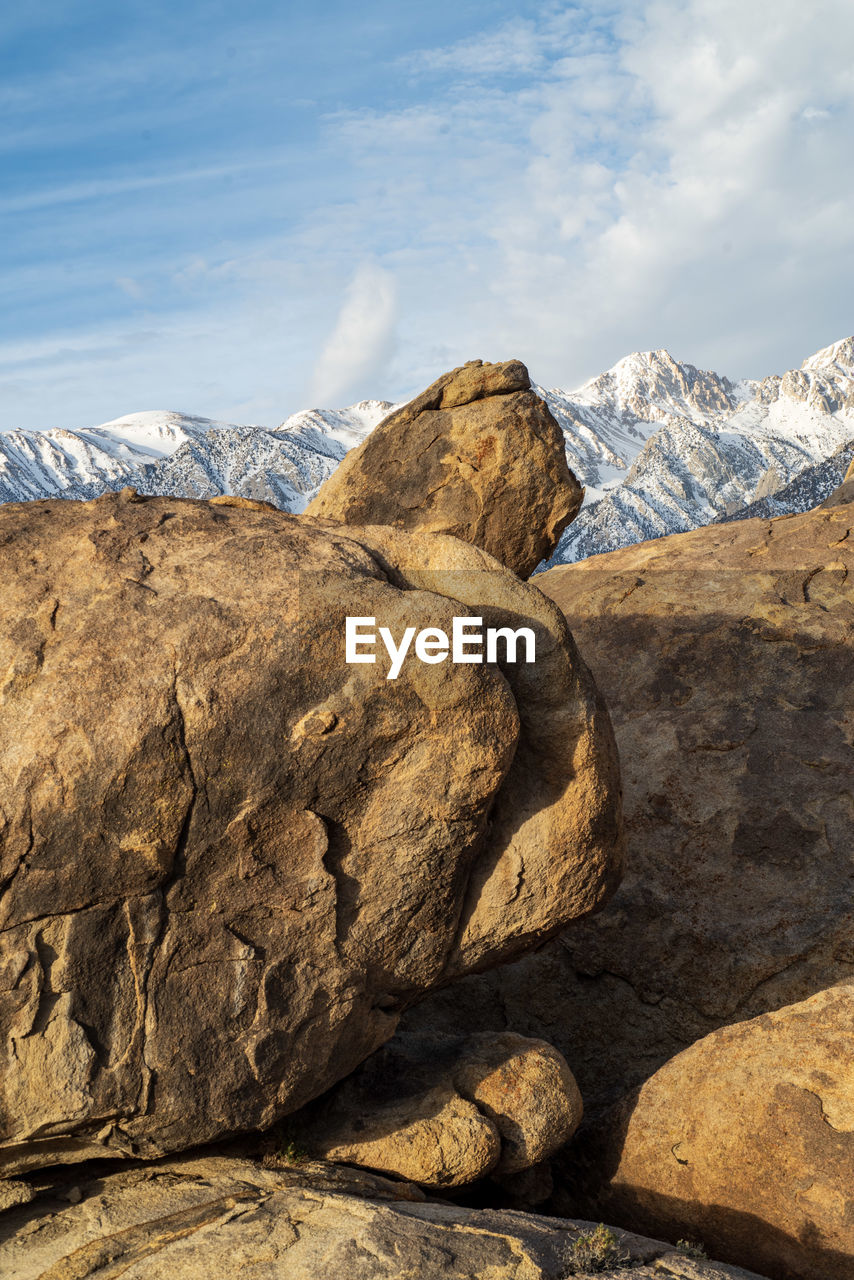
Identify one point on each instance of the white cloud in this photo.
(671, 173)
(680, 180)
(361, 343)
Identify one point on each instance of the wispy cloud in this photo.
(131, 287)
(517, 48)
(361, 343)
(104, 188)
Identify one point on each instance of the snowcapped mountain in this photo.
(809, 488)
(660, 446)
(162, 452)
(677, 447)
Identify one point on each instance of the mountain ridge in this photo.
(660, 445)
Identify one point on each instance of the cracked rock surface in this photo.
(745, 1141)
(193, 1219)
(725, 656)
(229, 858)
(477, 455)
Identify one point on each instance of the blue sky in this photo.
(239, 211)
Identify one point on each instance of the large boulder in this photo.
(192, 1219)
(725, 656)
(478, 455)
(230, 858)
(446, 1112)
(744, 1141)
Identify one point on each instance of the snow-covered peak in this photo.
(693, 445)
(651, 386)
(155, 432)
(837, 359)
(333, 431)
(349, 426)
(158, 420)
(164, 451)
(609, 420)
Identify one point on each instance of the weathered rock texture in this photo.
(725, 656)
(478, 455)
(745, 1141)
(229, 859)
(445, 1112)
(196, 1219)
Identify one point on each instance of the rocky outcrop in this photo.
(230, 859)
(478, 455)
(725, 657)
(446, 1112)
(745, 1141)
(192, 1219)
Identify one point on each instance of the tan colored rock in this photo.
(14, 1193)
(725, 657)
(194, 1219)
(745, 1141)
(446, 1112)
(477, 455)
(229, 859)
(435, 1138)
(564, 774)
(527, 1090)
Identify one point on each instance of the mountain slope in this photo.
(809, 488)
(695, 446)
(165, 452)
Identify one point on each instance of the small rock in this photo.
(13, 1193)
(446, 1112)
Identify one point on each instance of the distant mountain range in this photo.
(176, 453)
(660, 446)
(689, 447)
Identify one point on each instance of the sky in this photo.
(242, 210)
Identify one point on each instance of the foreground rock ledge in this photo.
(229, 859)
(477, 455)
(195, 1219)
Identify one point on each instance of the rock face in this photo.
(478, 455)
(725, 657)
(229, 859)
(194, 1219)
(745, 1141)
(446, 1112)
